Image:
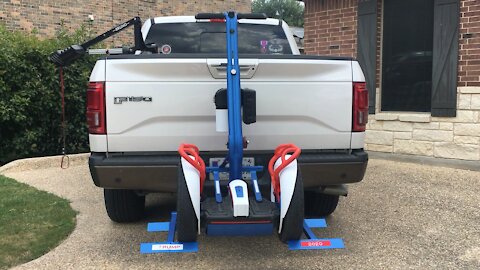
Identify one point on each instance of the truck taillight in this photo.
(360, 106)
(96, 108)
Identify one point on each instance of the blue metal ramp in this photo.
(170, 245)
(311, 242)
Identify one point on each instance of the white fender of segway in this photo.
(192, 177)
(288, 178)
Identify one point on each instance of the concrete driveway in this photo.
(402, 216)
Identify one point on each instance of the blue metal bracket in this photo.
(251, 169)
(170, 245)
(256, 189)
(226, 169)
(312, 242)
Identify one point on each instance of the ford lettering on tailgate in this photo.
(120, 100)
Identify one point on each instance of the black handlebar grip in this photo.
(254, 16)
(67, 56)
(206, 16)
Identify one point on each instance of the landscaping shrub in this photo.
(30, 103)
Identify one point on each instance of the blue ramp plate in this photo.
(326, 243)
(158, 226)
(166, 247)
(316, 223)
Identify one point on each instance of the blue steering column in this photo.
(234, 99)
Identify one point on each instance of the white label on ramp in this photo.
(167, 247)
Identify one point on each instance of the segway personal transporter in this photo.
(237, 207)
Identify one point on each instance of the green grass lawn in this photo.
(32, 222)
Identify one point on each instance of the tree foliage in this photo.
(30, 103)
(290, 11)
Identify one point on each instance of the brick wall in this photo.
(47, 15)
(331, 27)
(469, 65)
(408, 133)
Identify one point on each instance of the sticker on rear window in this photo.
(275, 47)
(166, 49)
(263, 45)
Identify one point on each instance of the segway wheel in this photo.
(187, 226)
(292, 228)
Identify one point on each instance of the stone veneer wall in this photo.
(421, 134)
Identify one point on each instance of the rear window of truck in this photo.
(209, 37)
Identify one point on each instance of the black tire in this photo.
(187, 224)
(320, 205)
(292, 228)
(124, 205)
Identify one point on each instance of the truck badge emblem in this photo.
(120, 100)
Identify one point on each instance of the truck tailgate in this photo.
(301, 101)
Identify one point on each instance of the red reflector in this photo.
(360, 107)
(217, 20)
(96, 108)
(316, 243)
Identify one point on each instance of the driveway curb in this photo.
(28, 164)
(471, 165)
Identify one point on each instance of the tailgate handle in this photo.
(219, 71)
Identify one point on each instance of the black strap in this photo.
(65, 162)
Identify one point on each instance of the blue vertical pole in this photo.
(235, 137)
(171, 227)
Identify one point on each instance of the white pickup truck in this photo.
(142, 106)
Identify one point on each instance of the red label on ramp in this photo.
(316, 243)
